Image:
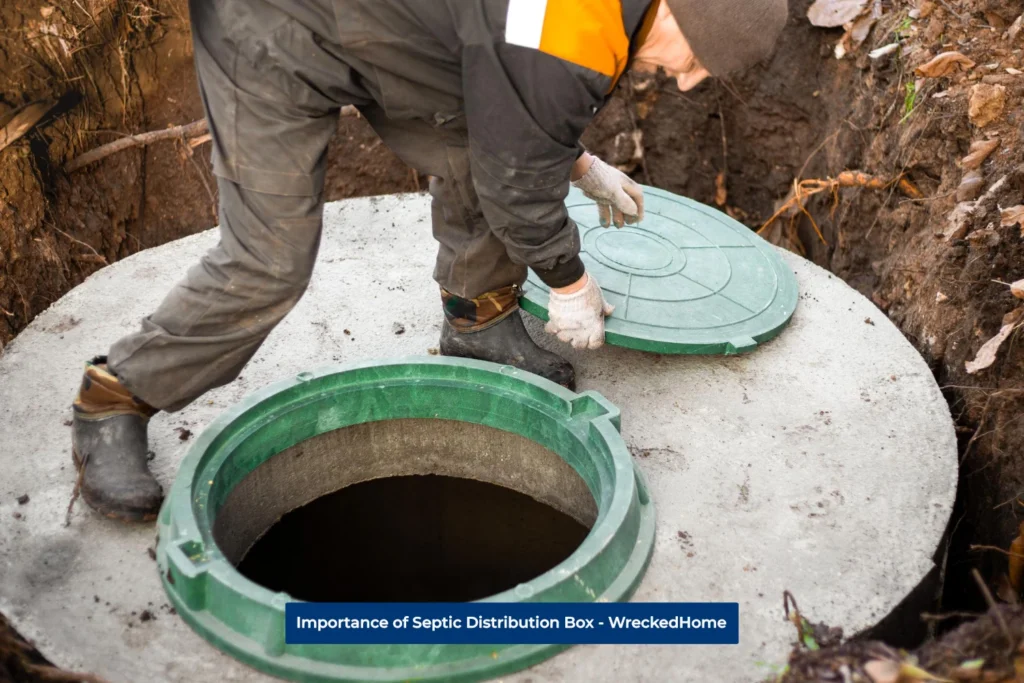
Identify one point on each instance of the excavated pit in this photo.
(412, 539)
(381, 526)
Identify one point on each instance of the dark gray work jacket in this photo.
(524, 77)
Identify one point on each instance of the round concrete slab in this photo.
(824, 464)
(686, 280)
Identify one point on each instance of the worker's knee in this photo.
(274, 238)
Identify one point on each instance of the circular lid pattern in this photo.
(687, 280)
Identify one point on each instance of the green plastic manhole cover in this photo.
(312, 436)
(687, 280)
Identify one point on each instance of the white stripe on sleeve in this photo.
(525, 22)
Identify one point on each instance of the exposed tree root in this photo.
(804, 189)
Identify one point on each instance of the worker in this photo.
(487, 97)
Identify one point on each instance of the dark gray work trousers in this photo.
(272, 90)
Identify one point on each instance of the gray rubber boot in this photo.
(117, 481)
(508, 343)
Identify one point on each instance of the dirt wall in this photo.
(113, 68)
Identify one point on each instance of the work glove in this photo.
(619, 199)
(578, 318)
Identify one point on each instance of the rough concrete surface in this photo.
(823, 463)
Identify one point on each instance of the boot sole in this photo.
(119, 515)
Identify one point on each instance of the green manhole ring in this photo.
(686, 280)
(580, 431)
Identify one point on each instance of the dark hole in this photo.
(412, 539)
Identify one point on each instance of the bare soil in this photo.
(115, 67)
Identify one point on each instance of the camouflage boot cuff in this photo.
(103, 395)
(473, 315)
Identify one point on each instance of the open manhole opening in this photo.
(441, 524)
(425, 479)
(412, 539)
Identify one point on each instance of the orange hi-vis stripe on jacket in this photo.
(588, 33)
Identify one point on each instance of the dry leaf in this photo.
(1017, 289)
(883, 671)
(944, 64)
(833, 13)
(17, 123)
(884, 51)
(987, 353)
(1012, 216)
(721, 194)
(861, 28)
(970, 186)
(980, 149)
(1014, 30)
(857, 32)
(958, 221)
(987, 103)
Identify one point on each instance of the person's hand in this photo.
(576, 314)
(619, 199)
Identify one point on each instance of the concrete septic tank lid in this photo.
(824, 463)
(247, 620)
(686, 279)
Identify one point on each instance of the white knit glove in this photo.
(618, 198)
(578, 318)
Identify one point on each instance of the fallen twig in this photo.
(794, 617)
(994, 609)
(928, 616)
(76, 491)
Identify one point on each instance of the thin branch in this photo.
(188, 130)
(994, 608)
(928, 616)
(997, 549)
(197, 129)
(81, 243)
(76, 491)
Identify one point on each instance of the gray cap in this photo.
(729, 35)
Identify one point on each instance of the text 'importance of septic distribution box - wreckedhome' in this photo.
(512, 623)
